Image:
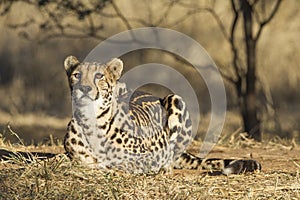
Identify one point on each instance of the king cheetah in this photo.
(117, 129)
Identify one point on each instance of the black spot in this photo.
(174, 129)
(187, 159)
(157, 158)
(184, 113)
(192, 161)
(137, 163)
(80, 143)
(125, 140)
(199, 161)
(113, 136)
(169, 102)
(88, 133)
(180, 118)
(227, 162)
(123, 108)
(166, 156)
(179, 139)
(103, 126)
(160, 144)
(179, 129)
(142, 151)
(134, 151)
(101, 152)
(165, 143)
(113, 149)
(139, 140)
(153, 163)
(185, 143)
(188, 123)
(119, 140)
(178, 104)
(120, 91)
(73, 129)
(103, 142)
(73, 141)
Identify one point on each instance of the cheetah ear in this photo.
(115, 68)
(70, 63)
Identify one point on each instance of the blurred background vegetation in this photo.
(37, 35)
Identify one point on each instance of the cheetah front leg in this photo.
(77, 147)
(178, 123)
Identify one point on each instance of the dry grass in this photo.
(59, 178)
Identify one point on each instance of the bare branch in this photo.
(70, 36)
(254, 2)
(234, 50)
(219, 22)
(120, 14)
(227, 77)
(267, 20)
(5, 7)
(124, 19)
(166, 13)
(22, 25)
(140, 21)
(185, 17)
(54, 19)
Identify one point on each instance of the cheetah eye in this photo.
(98, 75)
(77, 75)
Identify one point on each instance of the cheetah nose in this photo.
(85, 89)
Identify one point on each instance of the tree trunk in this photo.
(249, 104)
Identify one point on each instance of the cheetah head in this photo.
(92, 82)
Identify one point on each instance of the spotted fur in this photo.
(135, 132)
